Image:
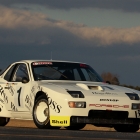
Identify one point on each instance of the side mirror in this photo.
(25, 80)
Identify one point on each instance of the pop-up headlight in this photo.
(76, 94)
(132, 96)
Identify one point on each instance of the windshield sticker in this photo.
(83, 65)
(42, 63)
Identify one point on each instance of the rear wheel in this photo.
(41, 114)
(4, 121)
(76, 126)
(126, 128)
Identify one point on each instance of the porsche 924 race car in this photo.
(58, 94)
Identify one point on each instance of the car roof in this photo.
(31, 61)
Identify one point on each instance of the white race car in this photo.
(65, 94)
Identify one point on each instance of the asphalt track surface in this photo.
(16, 133)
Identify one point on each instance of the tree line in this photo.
(114, 79)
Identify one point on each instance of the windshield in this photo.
(64, 71)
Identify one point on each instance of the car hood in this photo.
(97, 88)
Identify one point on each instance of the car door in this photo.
(17, 88)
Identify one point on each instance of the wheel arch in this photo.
(39, 93)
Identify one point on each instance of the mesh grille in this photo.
(105, 114)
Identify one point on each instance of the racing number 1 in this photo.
(19, 92)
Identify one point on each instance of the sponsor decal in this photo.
(53, 105)
(10, 88)
(111, 100)
(42, 63)
(3, 95)
(28, 102)
(109, 105)
(30, 97)
(104, 93)
(1, 101)
(13, 107)
(28, 107)
(60, 120)
(34, 90)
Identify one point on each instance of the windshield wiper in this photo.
(57, 71)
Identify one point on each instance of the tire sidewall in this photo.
(127, 128)
(39, 124)
(4, 121)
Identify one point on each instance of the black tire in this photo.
(126, 128)
(41, 114)
(4, 121)
(76, 126)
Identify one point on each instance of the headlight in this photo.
(76, 94)
(135, 106)
(73, 104)
(132, 96)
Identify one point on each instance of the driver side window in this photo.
(20, 73)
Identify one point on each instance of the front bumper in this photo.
(96, 117)
(101, 122)
(106, 117)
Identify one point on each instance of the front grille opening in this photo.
(107, 114)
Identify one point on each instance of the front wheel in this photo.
(4, 121)
(41, 114)
(126, 128)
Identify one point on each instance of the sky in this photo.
(102, 33)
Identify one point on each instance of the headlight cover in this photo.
(135, 106)
(132, 96)
(77, 104)
(76, 94)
